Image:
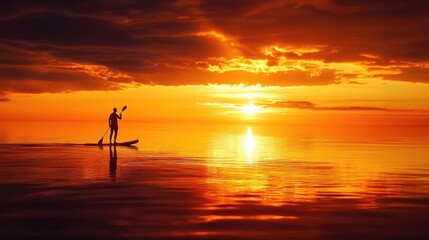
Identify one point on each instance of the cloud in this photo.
(105, 44)
(312, 106)
(305, 105)
(59, 77)
(412, 74)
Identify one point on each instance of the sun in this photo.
(250, 109)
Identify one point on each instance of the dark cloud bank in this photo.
(53, 46)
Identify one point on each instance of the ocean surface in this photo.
(193, 181)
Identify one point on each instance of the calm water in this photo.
(214, 182)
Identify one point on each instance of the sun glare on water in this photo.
(250, 109)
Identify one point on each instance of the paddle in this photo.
(101, 140)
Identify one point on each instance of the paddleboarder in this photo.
(113, 123)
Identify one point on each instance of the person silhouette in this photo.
(113, 123)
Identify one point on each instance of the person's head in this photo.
(115, 110)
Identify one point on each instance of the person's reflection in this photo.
(112, 163)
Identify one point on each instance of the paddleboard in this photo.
(129, 143)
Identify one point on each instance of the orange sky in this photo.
(292, 61)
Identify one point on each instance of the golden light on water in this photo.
(249, 144)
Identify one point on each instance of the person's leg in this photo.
(116, 134)
(111, 133)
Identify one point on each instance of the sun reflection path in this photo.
(249, 144)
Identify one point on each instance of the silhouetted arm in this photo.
(110, 121)
(120, 116)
